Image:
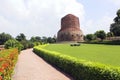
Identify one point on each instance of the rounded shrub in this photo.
(12, 43)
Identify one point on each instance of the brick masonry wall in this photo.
(70, 29)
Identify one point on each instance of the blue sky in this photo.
(42, 17)
(99, 14)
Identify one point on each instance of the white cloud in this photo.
(92, 26)
(116, 2)
(7, 26)
(36, 17)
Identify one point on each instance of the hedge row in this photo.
(79, 69)
(114, 42)
(8, 59)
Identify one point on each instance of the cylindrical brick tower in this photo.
(70, 29)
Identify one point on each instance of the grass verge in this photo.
(79, 69)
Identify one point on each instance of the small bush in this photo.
(12, 43)
(79, 69)
(75, 44)
(30, 44)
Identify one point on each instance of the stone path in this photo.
(32, 67)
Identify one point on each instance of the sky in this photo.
(42, 17)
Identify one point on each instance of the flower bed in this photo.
(8, 59)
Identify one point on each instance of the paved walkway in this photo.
(32, 67)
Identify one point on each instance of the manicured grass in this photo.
(106, 54)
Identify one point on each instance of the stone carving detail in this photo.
(70, 29)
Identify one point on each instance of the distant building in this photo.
(70, 29)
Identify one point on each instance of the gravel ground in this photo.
(32, 67)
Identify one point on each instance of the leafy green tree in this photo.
(109, 34)
(4, 37)
(51, 40)
(21, 37)
(38, 39)
(100, 34)
(12, 43)
(115, 27)
(44, 39)
(90, 37)
(32, 39)
(35, 39)
(30, 44)
(24, 43)
(27, 44)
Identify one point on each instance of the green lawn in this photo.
(106, 54)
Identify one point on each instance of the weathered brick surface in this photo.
(70, 29)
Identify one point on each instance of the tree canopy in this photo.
(100, 34)
(115, 27)
(21, 37)
(109, 34)
(90, 37)
(4, 37)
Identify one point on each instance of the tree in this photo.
(90, 37)
(38, 39)
(115, 27)
(32, 39)
(4, 37)
(21, 37)
(51, 40)
(24, 43)
(44, 39)
(100, 34)
(35, 39)
(109, 34)
(30, 44)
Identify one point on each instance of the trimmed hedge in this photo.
(114, 42)
(79, 69)
(8, 60)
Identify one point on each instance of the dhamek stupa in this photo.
(70, 29)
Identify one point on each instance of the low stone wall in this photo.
(113, 38)
(2, 47)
